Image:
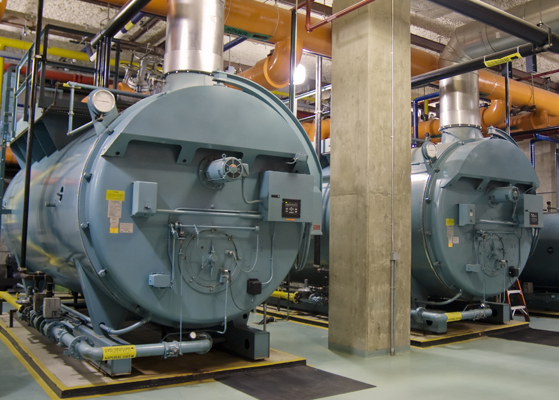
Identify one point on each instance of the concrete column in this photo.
(370, 181)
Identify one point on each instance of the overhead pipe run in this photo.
(494, 115)
(126, 13)
(507, 21)
(259, 21)
(498, 58)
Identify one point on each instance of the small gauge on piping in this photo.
(103, 101)
(429, 151)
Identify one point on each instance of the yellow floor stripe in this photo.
(29, 369)
(51, 376)
(41, 382)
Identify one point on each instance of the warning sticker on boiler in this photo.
(449, 222)
(115, 209)
(113, 225)
(126, 227)
(116, 195)
(119, 352)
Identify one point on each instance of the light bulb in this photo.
(300, 74)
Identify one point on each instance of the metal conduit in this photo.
(30, 135)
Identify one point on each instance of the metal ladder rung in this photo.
(514, 291)
(518, 308)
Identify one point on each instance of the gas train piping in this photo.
(185, 210)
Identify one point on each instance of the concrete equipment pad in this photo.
(543, 313)
(295, 315)
(463, 330)
(67, 377)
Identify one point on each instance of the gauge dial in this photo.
(103, 101)
(429, 151)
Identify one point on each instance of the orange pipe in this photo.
(265, 20)
(524, 122)
(492, 86)
(10, 158)
(422, 62)
(273, 71)
(536, 120)
(3, 8)
(494, 115)
(324, 129)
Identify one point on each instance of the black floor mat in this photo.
(299, 382)
(529, 335)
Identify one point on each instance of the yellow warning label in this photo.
(119, 352)
(449, 222)
(504, 60)
(115, 195)
(113, 230)
(451, 317)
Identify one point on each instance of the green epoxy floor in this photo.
(485, 368)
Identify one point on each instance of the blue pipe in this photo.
(415, 118)
(233, 43)
(539, 138)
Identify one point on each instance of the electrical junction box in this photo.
(144, 199)
(51, 307)
(529, 211)
(289, 197)
(466, 214)
(160, 281)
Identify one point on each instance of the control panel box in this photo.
(466, 214)
(144, 199)
(529, 210)
(287, 197)
(51, 307)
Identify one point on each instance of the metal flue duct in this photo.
(194, 35)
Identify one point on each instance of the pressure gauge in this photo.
(103, 101)
(429, 151)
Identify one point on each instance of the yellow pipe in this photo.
(292, 297)
(5, 296)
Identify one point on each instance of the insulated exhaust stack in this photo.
(194, 36)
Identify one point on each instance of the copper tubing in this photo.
(311, 27)
(324, 129)
(273, 71)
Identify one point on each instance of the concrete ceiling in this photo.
(428, 20)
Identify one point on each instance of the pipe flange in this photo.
(49, 326)
(172, 349)
(38, 321)
(73, 352)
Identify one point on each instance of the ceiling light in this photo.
(300, 74)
